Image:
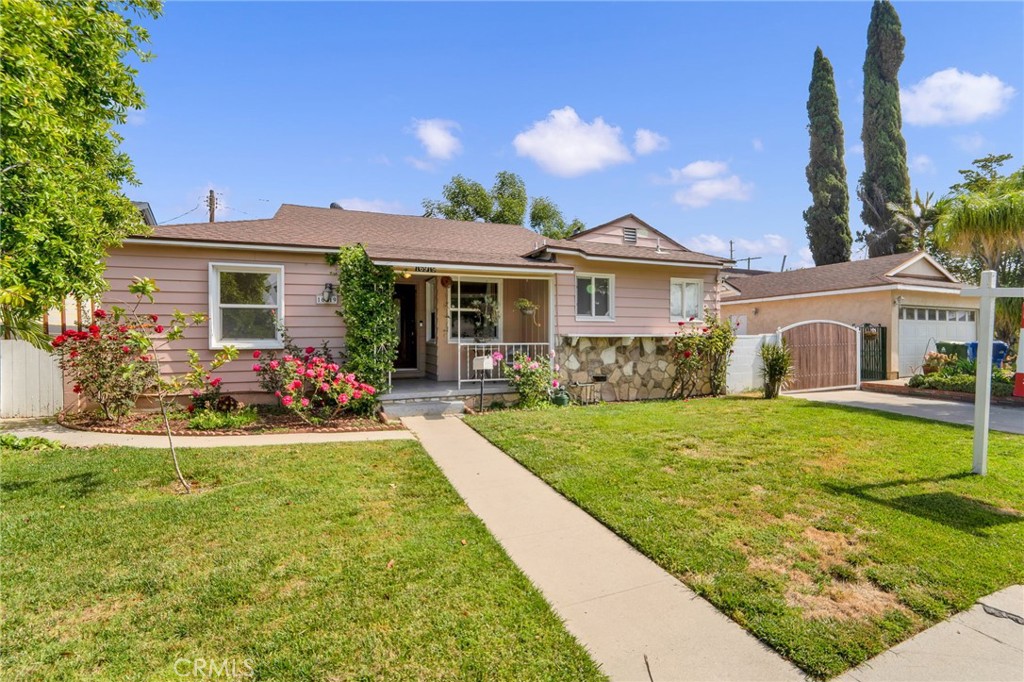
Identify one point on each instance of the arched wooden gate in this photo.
(826, 354)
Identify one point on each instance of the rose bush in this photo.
(700, 352)
(312, 388)
(531, 377)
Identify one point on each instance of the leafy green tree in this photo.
(886, 179)
(917, 220)
(505, 203)
(64, 84)
(828, 218)
(547, 219)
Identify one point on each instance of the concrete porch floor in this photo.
(420, 389)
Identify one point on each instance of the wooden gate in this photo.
(826, 354)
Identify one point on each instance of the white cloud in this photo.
(698, 170)
(758, 144)
(371, 205)
(765, 245)
(705, 192)
(419, 164)
(970, 142)
(855, 150)
(805, 258)
(951, 97)
(922, 163)
(438, 137)
(647, 142)
(565, 145)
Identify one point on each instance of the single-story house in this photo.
(909, 295)
(606, 301)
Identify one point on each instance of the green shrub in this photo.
(531, 377)
(9, 441)
(776, 368)
(700, 353)
(210, 420)
(1002, 382)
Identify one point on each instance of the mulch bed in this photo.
(150, 424)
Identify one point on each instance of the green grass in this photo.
(340, 561)
(831, 533)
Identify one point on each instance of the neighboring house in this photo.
(607, 300)
(910, 295)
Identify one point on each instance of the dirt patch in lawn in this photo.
(838, 600)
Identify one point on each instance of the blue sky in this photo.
(378, 105)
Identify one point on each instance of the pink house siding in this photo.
(182, 273)
(641, 298)
(612, 233)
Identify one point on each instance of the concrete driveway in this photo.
(1003, 418)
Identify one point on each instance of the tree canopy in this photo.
(506, 202)
(65, 82)
(886, 179)
(828, 217)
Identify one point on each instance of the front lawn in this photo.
(831, 533)
(335, 561)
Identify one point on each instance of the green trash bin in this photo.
(951, 348)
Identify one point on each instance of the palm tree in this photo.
(988, 223)
(918, 219)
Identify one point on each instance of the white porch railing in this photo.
(468, 351)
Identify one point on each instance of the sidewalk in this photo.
(1002, 417)
(626, 610)
(77, 438)
(984, 644)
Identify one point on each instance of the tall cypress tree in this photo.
(885, 177)
(828, 218)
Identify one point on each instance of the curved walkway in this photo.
(77, 438)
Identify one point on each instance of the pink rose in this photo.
(256, 367)
(342, 399)
(370, 389)
(554, 383)
(498, 357)
(216, 382)
(277, 393)
(296, 385)
(274, 364)
(310, 373)
(325, 387)
(256, 355)
(357, 394)
(305, 402)
(286, 401)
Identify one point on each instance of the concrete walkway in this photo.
(984, 644)
(619, 604)
(77, 438)
(1003, 418)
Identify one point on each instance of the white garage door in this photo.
(920, 328)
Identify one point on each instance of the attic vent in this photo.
(629, 235)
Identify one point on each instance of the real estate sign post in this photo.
(988, 293)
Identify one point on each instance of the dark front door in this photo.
(405, 324)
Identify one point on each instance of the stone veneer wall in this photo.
(637, 368)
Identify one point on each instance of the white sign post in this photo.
(988, 293)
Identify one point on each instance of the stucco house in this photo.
(909, 298)
(606, 301)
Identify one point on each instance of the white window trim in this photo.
(430, 306)
(684, 281)
(448, 310)
(217, 343)
(610, 317)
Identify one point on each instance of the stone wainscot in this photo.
(634, 367)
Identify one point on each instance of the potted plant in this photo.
(525, 306)
(933, 362)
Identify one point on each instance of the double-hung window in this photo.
(686, 299)
(475, 310)
(246, 305)
(595, 297)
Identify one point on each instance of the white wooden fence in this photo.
(31, 383)
(745, 364)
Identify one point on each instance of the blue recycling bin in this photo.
(999, 351)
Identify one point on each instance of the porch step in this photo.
(420, 408)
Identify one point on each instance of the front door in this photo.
(405, 325)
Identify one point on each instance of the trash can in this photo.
(999, 351)
(951, 348)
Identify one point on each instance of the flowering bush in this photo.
(311, 387)
(701, 351)
(531, 377)
(111, 362)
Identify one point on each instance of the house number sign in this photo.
(424, 268)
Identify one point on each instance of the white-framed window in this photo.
(246, 305)
(595, 297)
(474, 310)
(686, 299)
(431, 294)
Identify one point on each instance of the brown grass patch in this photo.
(840, 601)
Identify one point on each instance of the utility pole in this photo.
(783, 267)
(731, 251)
(211, 202)
(750, 258)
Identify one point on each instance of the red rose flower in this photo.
(159, 329)
(310, 350)
(155, 318)
(256, 355)
(100, 313)
(77, 388)
(126, 349)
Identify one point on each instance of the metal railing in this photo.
(468, 351)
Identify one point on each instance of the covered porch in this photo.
(447, 318)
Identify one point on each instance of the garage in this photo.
(920, 327)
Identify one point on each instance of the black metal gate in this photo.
(872, 353)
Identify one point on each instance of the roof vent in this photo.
(629, 235)
(335, 204)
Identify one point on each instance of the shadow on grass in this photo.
(14, 486)
(959, 512)
(81, 485)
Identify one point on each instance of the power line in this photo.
(182, 215)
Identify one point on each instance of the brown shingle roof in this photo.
(633, 252)
(385, 237)
(855, 274)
